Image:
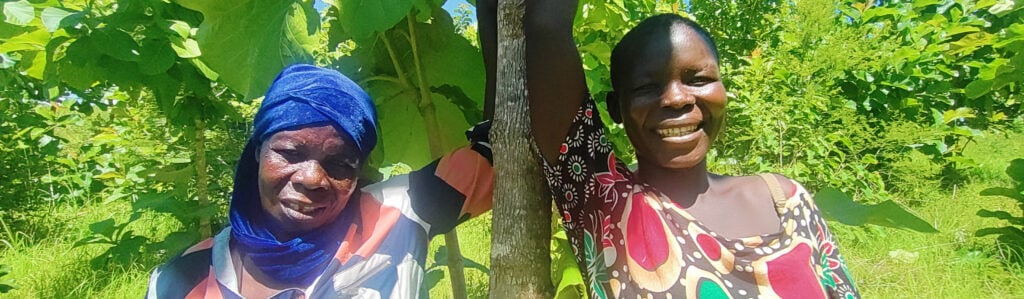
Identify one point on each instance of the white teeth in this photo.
(300, 208)
(677, 131)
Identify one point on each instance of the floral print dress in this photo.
(631, 241)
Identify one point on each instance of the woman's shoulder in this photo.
(778, 186)
(179, 274)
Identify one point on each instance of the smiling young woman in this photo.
(669, 229)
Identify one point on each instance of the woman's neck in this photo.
(683, 186)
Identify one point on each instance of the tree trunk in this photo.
(521, 227)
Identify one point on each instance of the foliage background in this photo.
(120, 121)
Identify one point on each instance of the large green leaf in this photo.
(448, 58)
(838, 206)
(404, 137)
(248, 42)
(362, 18)
(116, 43)
(156, 57)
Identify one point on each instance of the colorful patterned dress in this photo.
(631, 241)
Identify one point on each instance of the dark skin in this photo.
(670, 99)
(306, 178)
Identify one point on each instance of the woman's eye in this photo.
(646, 88)
(288, 153)
(700, 81)
(342, 167)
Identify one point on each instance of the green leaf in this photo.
(204, 69)
(185, 47)
(247, 42)
(37, 66)
(879, 11)
(448, 58)
(838, 206)
(34, 40)
(180, 175)
(1002, 8)
(362, 19)
(116, 43)
(182, 29)
(958, 113)
(156, 57)
(566, 275)
(19, 12)
(403, 136)
(52, 17)
(962, 29)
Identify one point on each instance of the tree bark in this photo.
(521, 231)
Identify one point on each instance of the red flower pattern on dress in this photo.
(651, 247)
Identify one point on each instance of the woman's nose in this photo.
(311, 176)
(676, 96)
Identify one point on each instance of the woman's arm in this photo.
(554, 72)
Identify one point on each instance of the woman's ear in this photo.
(611, 102)
(259, 149)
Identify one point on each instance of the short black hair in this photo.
(641, 35)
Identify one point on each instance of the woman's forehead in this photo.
(326, 136)
(681, 43)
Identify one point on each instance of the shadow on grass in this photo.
(1010, 237)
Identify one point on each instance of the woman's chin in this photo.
(683, 162)
(292, 223)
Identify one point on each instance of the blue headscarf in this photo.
(301, 96)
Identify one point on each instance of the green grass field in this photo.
(886, 263)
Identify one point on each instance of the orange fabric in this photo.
(351, 241)
(205, 244)
(207, 288)
(375, 224)
(471, 174)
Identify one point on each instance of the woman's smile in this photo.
(677, 131)
(301, 211)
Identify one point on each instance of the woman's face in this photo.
(306, 177)
(672, 100)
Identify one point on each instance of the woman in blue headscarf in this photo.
(299, 226)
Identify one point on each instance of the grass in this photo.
(954, 263)
(51, 267)
(885, 263)
(475, 245)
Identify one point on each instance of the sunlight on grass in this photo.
(953, 263)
